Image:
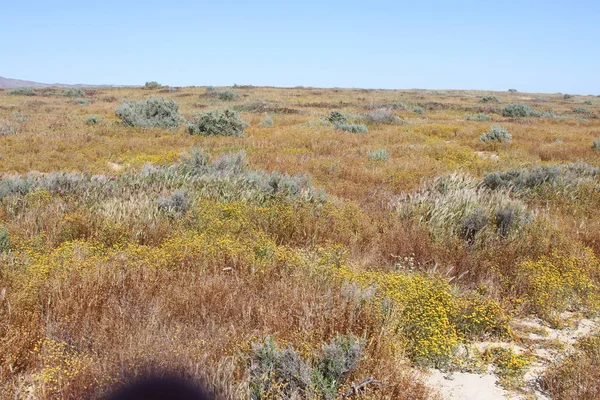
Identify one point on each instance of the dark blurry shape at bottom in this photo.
(163, 388)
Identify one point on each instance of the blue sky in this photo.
(535, 46)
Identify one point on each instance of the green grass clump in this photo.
(419, 110)
(150, 113)
(217, 123)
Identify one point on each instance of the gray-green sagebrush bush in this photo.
(150, 113)
(284, 373)
(217, 123)
(497, 134)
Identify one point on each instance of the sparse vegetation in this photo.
(301, 260)
(419, 110)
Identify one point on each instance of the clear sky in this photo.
(536, 46)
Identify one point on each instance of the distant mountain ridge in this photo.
(8, 83)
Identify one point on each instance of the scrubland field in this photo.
(297, 242)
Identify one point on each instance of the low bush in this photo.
(497, 134)
(552, 285)
(383, 116)
(478, 117)
(217, 123)
(580, 110)
(152, 85)
(336, 117)
(556, 177)
(490, 99)
(352, 128)
(150, 113)
(379, 155)
(519, 110)
(22, 92)
(74, 92)
(228, 96)
(419, 110)
(92, 120)
(596, 145)
(277, 372)
(266, 122)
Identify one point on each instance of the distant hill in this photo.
(8, 83)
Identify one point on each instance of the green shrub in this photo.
(4, 240)
(478, 117)
(512, 90)
(567, 97)
(266, 122)
(92, 120)
(6, 128)
(379, 155)
(217, 123)
(74, 92)
(283, 373)
(419, 110)
(176, 204)
(82, 102)
(490, 99)
(588, 102)
(19, 117)
(496, 134)
(519, 110)
(150, 113)
(22, 92)
(228, 95)
(596, 145)
(336, 117)
(352, 128)
(580, 110)
(152, 85)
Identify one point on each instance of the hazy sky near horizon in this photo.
(533, 46)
